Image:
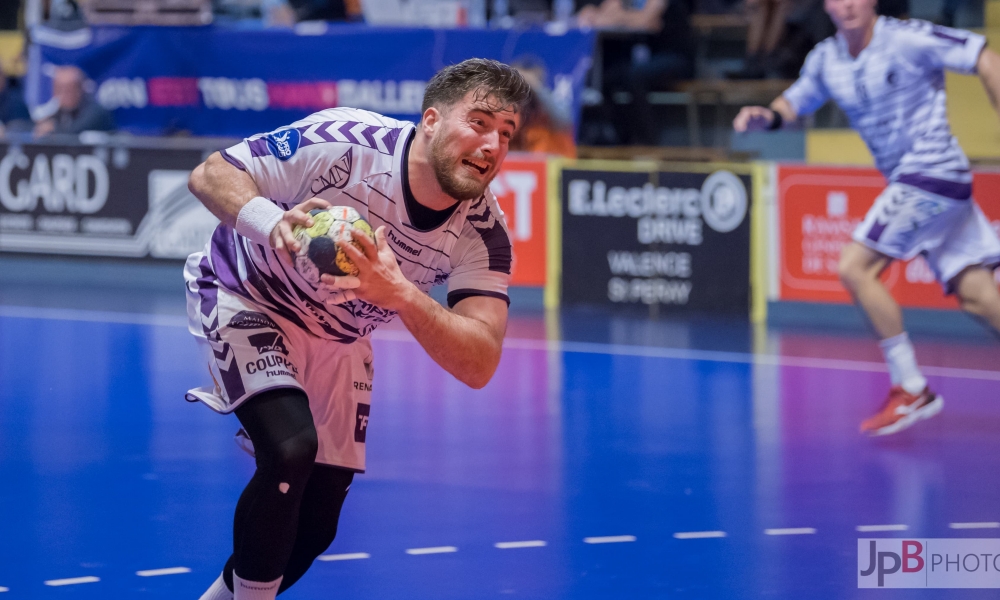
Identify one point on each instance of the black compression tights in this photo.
(288, 513)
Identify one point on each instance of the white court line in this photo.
(974, 525)
(92, 316)
(60, 314)
(699, 535)
(867, 528)
(609, 539)
(526, 544)
(433, 550)
(741, 358)
(72, 581)
(159, 572)
(3, 589)
(790, 531)
(351, 556)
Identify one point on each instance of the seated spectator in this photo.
(14, 115)
(547, 127)
(659, 54)
(277, 13)
(768, 21)
(326, 10)
(76, 110)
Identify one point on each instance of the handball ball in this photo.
(322, 244)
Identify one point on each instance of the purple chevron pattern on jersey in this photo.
(382, 139)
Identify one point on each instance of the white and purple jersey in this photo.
(354, 158)
(893, 93)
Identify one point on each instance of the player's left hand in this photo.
(380, 280)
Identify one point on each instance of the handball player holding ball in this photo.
(329, 227)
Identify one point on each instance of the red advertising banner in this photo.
(818, 209)
(521, 187)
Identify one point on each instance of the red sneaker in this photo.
(902, 409)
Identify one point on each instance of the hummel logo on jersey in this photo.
(270, 341)
(337, 176)
(403, 245)
(361, 424)
(284, 143)
(248, 319)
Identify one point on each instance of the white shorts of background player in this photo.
(951, 234)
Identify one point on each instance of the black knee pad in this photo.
(292, 460)
(280, 425)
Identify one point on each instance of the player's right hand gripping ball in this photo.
(321, 250)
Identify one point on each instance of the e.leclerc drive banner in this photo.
(675, 238)
(234, 83)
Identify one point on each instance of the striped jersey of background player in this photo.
(888, 77)
(293, 359)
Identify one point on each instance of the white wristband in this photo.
(257, 220)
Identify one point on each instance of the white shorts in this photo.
(951, 234)
(251, 350)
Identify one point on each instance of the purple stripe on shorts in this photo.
(229, 159)
(876, 231)
(208, 291)
(258, 147)
(231, 378)
(942, 187)
(224, 260)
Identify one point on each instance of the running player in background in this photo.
(888, 77)
(294, 361)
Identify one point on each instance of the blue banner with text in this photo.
(229, 82)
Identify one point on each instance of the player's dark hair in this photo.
(500, 85)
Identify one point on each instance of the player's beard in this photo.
(446, 168)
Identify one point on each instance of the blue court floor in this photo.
(635, 459)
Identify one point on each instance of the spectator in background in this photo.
(545, 127)
(76, 110)
(277, 13)
(326, 10)
(900, 9)
(14, 115)
(661, 53)
(768, 21)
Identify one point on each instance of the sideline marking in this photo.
(526, 544)
(867, 528)
(974, 525)
(432, 550)
(790, 531)
(158, 572)
(609, 539)
(351, 556)
(61, 314)
(92, 316)
(699, 535)
(72, 581)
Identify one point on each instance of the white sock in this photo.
(255, 590)
(218, 591)
(902, 360)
